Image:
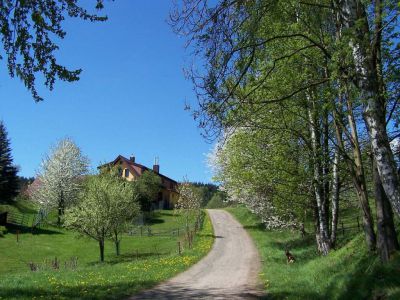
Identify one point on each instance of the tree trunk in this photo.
(326, 164)
(101, 247)
(352, 15)
(387, 242)
(335, 196)
(356, 169)
(117, 243)
(117, 247)
(322, 234)
(60, 208)
(361, 184)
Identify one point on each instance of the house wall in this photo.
(123, 165)
(169, 196)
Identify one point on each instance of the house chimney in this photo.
(132, 158)
(156, 166)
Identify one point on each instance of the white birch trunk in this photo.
(349, 12)
(322, 237)
(335, 196)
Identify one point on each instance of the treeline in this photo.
(211, 196)
(303, 98)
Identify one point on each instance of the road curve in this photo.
(229, 271)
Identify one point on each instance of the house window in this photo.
(119, 171)
(126, 173)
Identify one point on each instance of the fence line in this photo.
(148, 231)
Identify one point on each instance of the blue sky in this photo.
(129, 100)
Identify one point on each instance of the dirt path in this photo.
(229, 271)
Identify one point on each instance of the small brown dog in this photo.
(289, 256)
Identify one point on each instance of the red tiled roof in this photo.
(142, 168)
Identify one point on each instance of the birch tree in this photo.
(263, 53)
(61, 177)
(365, 42)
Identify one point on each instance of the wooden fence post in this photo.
(179, 247)
(342, 228)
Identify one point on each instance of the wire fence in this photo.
(346, 227)
(148, 243)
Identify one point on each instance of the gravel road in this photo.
(229, 271)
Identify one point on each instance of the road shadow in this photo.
(212, 235)
(174, 291)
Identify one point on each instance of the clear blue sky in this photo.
(130, 98)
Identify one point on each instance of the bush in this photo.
(218, 200)
(3, 231)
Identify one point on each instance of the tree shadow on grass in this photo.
(107, 291)
(369, 280)
(12, 228)
(153, 221)
(296, 295)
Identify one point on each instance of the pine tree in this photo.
(8, 172)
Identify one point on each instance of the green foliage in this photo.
(29, 31)
(218, 200)
(148, 185)
(255, 170)
(205, 191)
(107, 203)
(348, 273)
(3, 230)
(8, 172)
(188, 205)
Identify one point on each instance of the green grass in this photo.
(347, 273)
(144, 261)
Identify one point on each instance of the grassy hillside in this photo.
(347, 273)
(144, 261)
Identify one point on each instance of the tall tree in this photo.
(29, 31)
(61, 176)
(264, 55)
(8, 172)
(365, 42)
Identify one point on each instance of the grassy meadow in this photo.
(346, 273)
(144, 260)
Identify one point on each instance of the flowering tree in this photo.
(107, 203)
(188, 206)
(253, 170)
(61, 175)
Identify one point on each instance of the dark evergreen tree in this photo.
(8, 172)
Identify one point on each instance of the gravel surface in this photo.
(229, 271)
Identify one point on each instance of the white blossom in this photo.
(60, 175)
